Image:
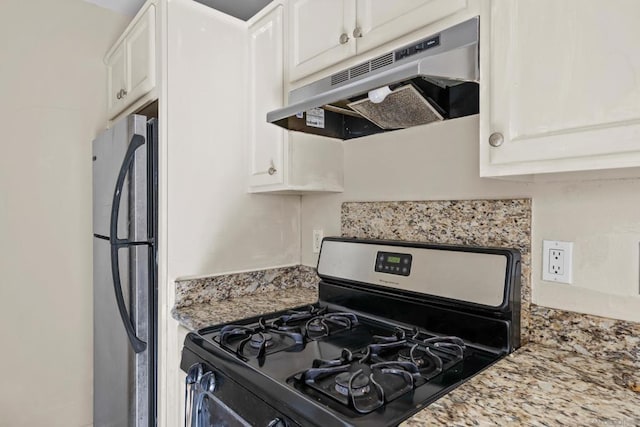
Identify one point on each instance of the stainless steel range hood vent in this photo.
(433, 79)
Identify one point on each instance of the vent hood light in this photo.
(433, 79)
(378, 95)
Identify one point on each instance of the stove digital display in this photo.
(393, 263)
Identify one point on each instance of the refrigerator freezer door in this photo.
(109, 150)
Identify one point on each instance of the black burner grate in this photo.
(384, 370)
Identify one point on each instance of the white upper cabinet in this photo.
(116, 79)
(131, 63)
(321, 34)
(379, 21)
(141, 58)
(324, 33)
(266, 92)
(282, 161)
(560, 86)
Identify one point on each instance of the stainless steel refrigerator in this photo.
(125, 274)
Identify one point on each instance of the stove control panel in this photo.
(393, 263)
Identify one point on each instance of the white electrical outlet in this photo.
(557, 260)
(317, 240)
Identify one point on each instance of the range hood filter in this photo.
(402, 108)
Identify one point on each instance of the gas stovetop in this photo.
(366, 354)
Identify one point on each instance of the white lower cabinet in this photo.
(560, 86)
(282, 161)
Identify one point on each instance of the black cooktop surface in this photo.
(343, 368)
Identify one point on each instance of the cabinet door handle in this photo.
(121, 94)
(357, 32)
(496, 139)
(272, 170)
(344, 38)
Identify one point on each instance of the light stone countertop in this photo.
(541, 386)
(537, 385)
(199, 315)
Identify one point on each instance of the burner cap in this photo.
(359, 386)
(419, 356)
(316, 326)
(259, 339)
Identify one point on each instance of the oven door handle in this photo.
(194, 374)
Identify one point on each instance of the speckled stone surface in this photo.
(541, 386)
(216, 288)
(196, 316)
(599, 337)
(499, 223)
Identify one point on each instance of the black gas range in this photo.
(397, 325)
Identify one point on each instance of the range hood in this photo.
(433, 79)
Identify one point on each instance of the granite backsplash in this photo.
(497, 223)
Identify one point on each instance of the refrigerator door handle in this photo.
(136, 343)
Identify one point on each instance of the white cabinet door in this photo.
(266, 91)
(280, 161)
(131, 64)
(561, 86)
(321, 34)
(116, 80)
(381, 21)
(141, 60)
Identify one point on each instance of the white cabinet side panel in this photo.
(214, 225)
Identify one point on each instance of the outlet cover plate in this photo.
(557, 261)
(317, 240)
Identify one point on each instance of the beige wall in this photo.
(440, 161)
(52, 102)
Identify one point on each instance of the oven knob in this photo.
(277, 422)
